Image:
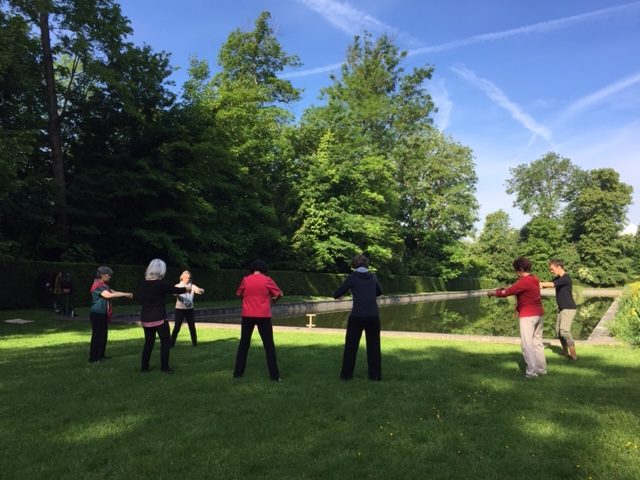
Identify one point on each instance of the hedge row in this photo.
(22, 283)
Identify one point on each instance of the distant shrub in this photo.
(627, 321)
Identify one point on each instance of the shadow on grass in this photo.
(442, 411)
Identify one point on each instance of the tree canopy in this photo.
(105, 163)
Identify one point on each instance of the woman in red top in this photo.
(258, 291)
(529, 308)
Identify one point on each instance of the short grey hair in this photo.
(156, 270)
(103, 270)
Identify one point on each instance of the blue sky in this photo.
(513, 80)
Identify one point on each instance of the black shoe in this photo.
(145, 370)
(168, 371)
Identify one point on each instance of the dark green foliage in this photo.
(227, 175)
(347, 206)
(25, 189)
(543, 185)
(627, 320)
(596, 216)
(24, 277)
(497, 247)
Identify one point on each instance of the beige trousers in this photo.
(563, 325)
(532, 347)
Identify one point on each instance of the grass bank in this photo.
(444, 410)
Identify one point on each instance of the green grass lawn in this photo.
(443, 410)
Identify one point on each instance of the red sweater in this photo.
(256, 291)
(527, 292)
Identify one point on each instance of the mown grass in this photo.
(444, 410)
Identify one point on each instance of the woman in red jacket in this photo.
(258, 291)
(529, 308)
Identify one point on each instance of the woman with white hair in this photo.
(184, 309)
(100, 312)
(152, 295)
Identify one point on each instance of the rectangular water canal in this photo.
(470, 316)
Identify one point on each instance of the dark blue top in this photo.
(364, 287)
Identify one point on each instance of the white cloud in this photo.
(347, 18)
(353, 21)
(599, 96)
(440, 95)
(312, 71)
(541, 27)
(501, 99)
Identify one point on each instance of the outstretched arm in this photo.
(115, 294)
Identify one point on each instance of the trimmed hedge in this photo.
(22, 282)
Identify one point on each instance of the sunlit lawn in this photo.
(443, 410)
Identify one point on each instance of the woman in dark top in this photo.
(566, 307)
(152, 295)
(364, 287)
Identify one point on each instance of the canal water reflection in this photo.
(471, 316)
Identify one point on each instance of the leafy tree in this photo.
(438, 206)
(240, 137)
(596, 216)
(541, 240)
(347, 207)
(542, 186)
(369, 109)
(86, 30)
(23, 168)
(374, 102)
(497, 246)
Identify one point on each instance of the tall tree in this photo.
(370, 107)
(596, 216)
(497, 246)
(242, 143)
(438, 206)
(374, 102)
(23, 168)
(86, 31)
(541, 187)
(347, 207)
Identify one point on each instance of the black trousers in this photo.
(99, 332)
(181, 315)
(265, 328)
(150, 340)
(371, 327)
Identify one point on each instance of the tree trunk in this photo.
(61, 211)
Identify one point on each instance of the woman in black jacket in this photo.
(152, 295)
(364, 287)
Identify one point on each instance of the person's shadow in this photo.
(556, 349)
